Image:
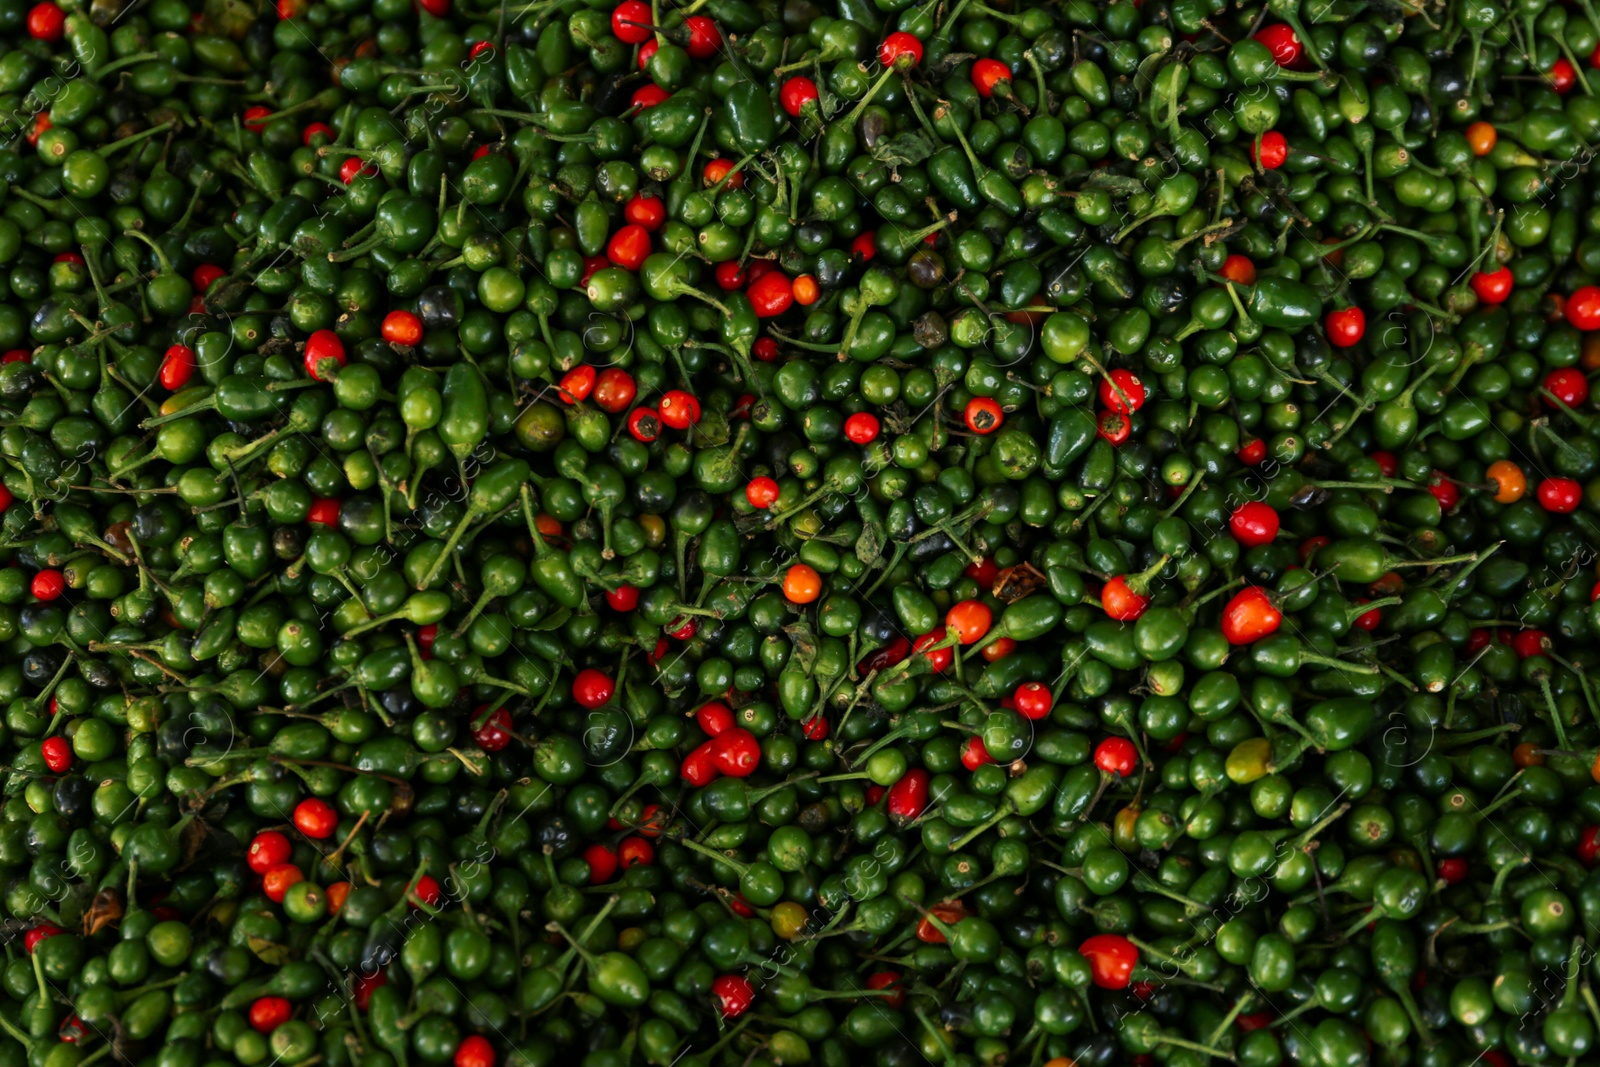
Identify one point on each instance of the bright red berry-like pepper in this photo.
(269, 1013)
(426, 890)
(644, 424)
(1122, 392)
(1118, 756)
(1253, 523)
(324, 511)
(761, 492)
(1583, 308)
(974, 753)
(1273, 151)
(796, 94)
(267, 849)
(177, 367)
(704, 37)
(1033, 700)
(734, 994)
(991, 77)
(1112, 958)
(629, 246)
(1528, 643)
(699, 767)
(1250, 616)
(630, 22)
(1282, 42)
(602, 864)
(57, 754)
(1588, 847)
(635, 852)
(474, 1051)
(48, 584)
(862, 428)
(900, 49)
(46, 22)
(1121, 602)
(908, 797)
(983, 415)
(1346, 327)
(771, 294)
(495, 732)
(591, 688)
(1115, 429)
(715, 718)
(1494, 286)
(315, 818)
(648, 96)
(1560, 495)
(322, 346)
(1568, 385)
(576, 385)
(647, 211)
(736, 752)
(968, 621)
(679, 410)
(401, 328)
(279, 879)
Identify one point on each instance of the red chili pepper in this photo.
(576, 385)
(324, 511)
(267, 849)
(1568, 385)
(714, 718)
(1560, 495)
(1116, 755)
(630, 22)
(474, 1051)
(629, 246)
(1253, 524)
(57, 754)
(974, 753)
(269, 1013)
(591, 688)
(1588, 848)
(1250, 616)
(1282, 42)
(602, 864)
(736, 752)
(771, 294)
(1111, 960)
(734, 994)
(46, 22)
(614, 390)
(1494, 286)
(938, 658)
(315, 818)
(796, 94)
(908, 797)
(323, 345)
(177, 367)
(988, 75)
(635, 852)
(494, 734)
(699, 767)
(1033, 700)
(48, 584)
(900, 49)
(647, 211)
(1273, 151)
(1345, 327)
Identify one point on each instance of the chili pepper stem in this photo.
(1006, 811)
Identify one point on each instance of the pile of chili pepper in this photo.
(768, 532)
